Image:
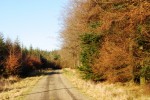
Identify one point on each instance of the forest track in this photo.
(54, 86)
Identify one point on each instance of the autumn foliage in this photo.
(115, 61)
(12, 64)
(19, 61)
(123, 53)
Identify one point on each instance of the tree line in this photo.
(15, 59)
(108, 40)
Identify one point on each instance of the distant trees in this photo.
(18, 60)
(123, 53)
(13, 60)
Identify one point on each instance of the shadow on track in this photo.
(46, 91)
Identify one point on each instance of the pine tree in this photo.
(2, 53)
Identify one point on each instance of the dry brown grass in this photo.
(5, 83)
(147, 89)
(106, 91)
(13, 88)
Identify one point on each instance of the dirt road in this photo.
(54, 86)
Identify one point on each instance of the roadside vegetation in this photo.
(17, 60)
(109, 42)
(20, 67)
(14, 88)
(105, 90)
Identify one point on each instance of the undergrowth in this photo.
(106, 91)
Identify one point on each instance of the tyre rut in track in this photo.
(68, 91)
(46, 94)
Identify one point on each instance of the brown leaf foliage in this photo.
(32, 62)
(122, 23)
(12, 64)
(115, 60)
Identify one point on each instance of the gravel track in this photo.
(54, 86)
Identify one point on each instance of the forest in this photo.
(17, 60)
(104, 52)
(108, 40)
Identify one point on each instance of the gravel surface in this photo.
(54, 86)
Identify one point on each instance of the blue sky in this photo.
(34, 22)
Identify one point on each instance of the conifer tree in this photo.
(2, 53)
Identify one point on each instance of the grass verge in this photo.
(14, 88)
(106, 91)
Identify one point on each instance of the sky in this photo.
(33, 22)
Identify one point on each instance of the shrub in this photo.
(145, 70)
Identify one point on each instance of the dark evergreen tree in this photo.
(2, 53)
